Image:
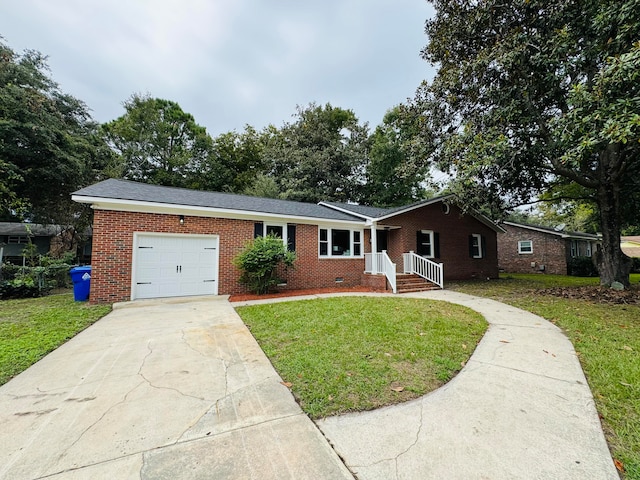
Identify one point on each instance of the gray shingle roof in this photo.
(553, 231)
(370, 212)
(142, 192)
(35, 229)
(376, 212)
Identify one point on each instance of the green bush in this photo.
(18, 281)
(19, 288)
(259, 262)
(582, 267)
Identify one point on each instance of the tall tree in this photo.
(157, 142)
(394, 176)
(530, 91)
(235, 161)
(49, 145)
(318, 157)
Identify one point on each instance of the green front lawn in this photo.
(346, 354)
(31, 328)
(607, 340)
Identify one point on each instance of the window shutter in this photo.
(419, 247)
(258, 229)
(483, 242)
(291, 238)
(471, 246)
(436, 247)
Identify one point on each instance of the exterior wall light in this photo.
(181, 219)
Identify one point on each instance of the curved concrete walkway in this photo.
(180, 389)
(520, 409)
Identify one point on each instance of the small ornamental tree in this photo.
(259, 262)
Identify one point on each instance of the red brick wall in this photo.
(314, 272)
(454, 229)
(549, 251)
(113, 246)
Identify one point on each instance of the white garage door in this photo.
(175, 266)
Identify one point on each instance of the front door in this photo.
(382, 240)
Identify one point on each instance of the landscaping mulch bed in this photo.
(596, 294)
(295, 293)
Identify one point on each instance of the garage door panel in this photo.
(169, 266)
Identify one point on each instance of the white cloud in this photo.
(228, 62)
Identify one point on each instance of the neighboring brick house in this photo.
(153, 241)
(530, 249)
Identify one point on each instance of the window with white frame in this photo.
(287, 232)
(476, 246)
(338, 242)
(588, 252)
(574, 248)
(425, 243)
(525, 246)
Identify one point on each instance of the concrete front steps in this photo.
(407, 283)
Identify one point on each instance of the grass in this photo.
(31, 328)
(358, 353)
(607, 340)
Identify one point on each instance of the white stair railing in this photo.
(427, 269)
(376, 263)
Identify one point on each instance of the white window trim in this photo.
(431, 243)
(275, 224)
(351, 243)
(520, 251)
(478, 237)
(574, 248)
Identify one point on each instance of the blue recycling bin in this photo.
(81, 278)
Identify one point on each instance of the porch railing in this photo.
(376, 263)
(424, 267)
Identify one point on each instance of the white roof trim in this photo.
(345, 210)
(414, 207)
(101, 203)
(575, 235)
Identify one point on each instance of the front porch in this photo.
(417, 274)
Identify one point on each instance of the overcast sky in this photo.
(228, 62)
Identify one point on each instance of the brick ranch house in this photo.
(154, 241)
(530, 249)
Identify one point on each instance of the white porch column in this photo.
(374, 248)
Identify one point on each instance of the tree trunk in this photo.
(613, 264)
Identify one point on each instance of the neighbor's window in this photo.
(525, 246)
(588, 251)
(574, 248)
(476, 245)
(334, 242)
(13, 239)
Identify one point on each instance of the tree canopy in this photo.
(394, 176)
(531, 93)
(157, 142)
(49, 146)
(319, 156)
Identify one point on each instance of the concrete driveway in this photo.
(159, 389)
